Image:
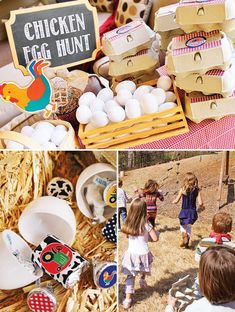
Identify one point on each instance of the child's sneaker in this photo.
(143, 283)
(127, 303)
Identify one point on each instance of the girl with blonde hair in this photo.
(190, 194)
(138, 258)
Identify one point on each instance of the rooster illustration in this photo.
(109, 277)
(36, 96)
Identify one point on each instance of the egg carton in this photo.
(199, 107)
(227, 27)
(168, 36)
(127, 40)
(199, 52)
(142, 61)
(205, 12)
(185, 292)
(214, 81)
(165, 18)
(139, 79)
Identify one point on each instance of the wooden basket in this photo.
(123, 134)
(69, 142)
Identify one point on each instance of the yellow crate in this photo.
(176, 125)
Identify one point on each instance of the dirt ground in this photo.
(170, 261)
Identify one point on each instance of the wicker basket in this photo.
(11, 132)
(133, 132)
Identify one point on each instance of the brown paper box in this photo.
(199, 107)
(204, 12)
(142, 61)
(214, 81)
(198, 52)
(165, 18)
(127, 40)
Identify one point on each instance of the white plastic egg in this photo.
(61, 127)
(170, 96)
(45, 126)
(166, 106)
(83, 114)
(86, 99)
(133, 109)
(58, 136)
(99, 119)
(116, 114)
(123, 95)
(105, 94)
(149, 104)
(27, 130)
(127, 85)
(42, 135)
(97, 105)
(140, 91)
(164, 82)
(50, 146)
(160, 95)
(109, 104)
(14, 145)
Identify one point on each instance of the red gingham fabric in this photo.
(40, 302)
(209, 134)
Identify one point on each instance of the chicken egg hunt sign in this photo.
(66, 34)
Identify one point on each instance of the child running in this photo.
(123, 199)
(151, 193)
(137, 259)
(216, 280)
(221, 227)
(190, 194)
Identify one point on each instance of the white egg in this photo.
(133, 109)
(58, 136)
(14, 145)
(116, 114)
(42, 135)
(127, 85)
(97, 105)
(86, 99)
(105, 94)
(164, 82)
(140, 91)
(160, 95)
(27, 130)
(61, 127)
(166, 106)
(123, 95)
(45, 126)
(109, 104)
(50, 146)
(83, 114)
(149, 104)
(99, 119)
(170, 96)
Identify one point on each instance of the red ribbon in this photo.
(219, 237)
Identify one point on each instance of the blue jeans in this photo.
(121, 213)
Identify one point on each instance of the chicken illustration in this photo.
(109, 277)
(36, 96)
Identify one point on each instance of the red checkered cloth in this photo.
(40, 302)
(209, 134)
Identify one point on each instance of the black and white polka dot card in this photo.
(110, 230)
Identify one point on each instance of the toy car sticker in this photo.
(55, 257)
